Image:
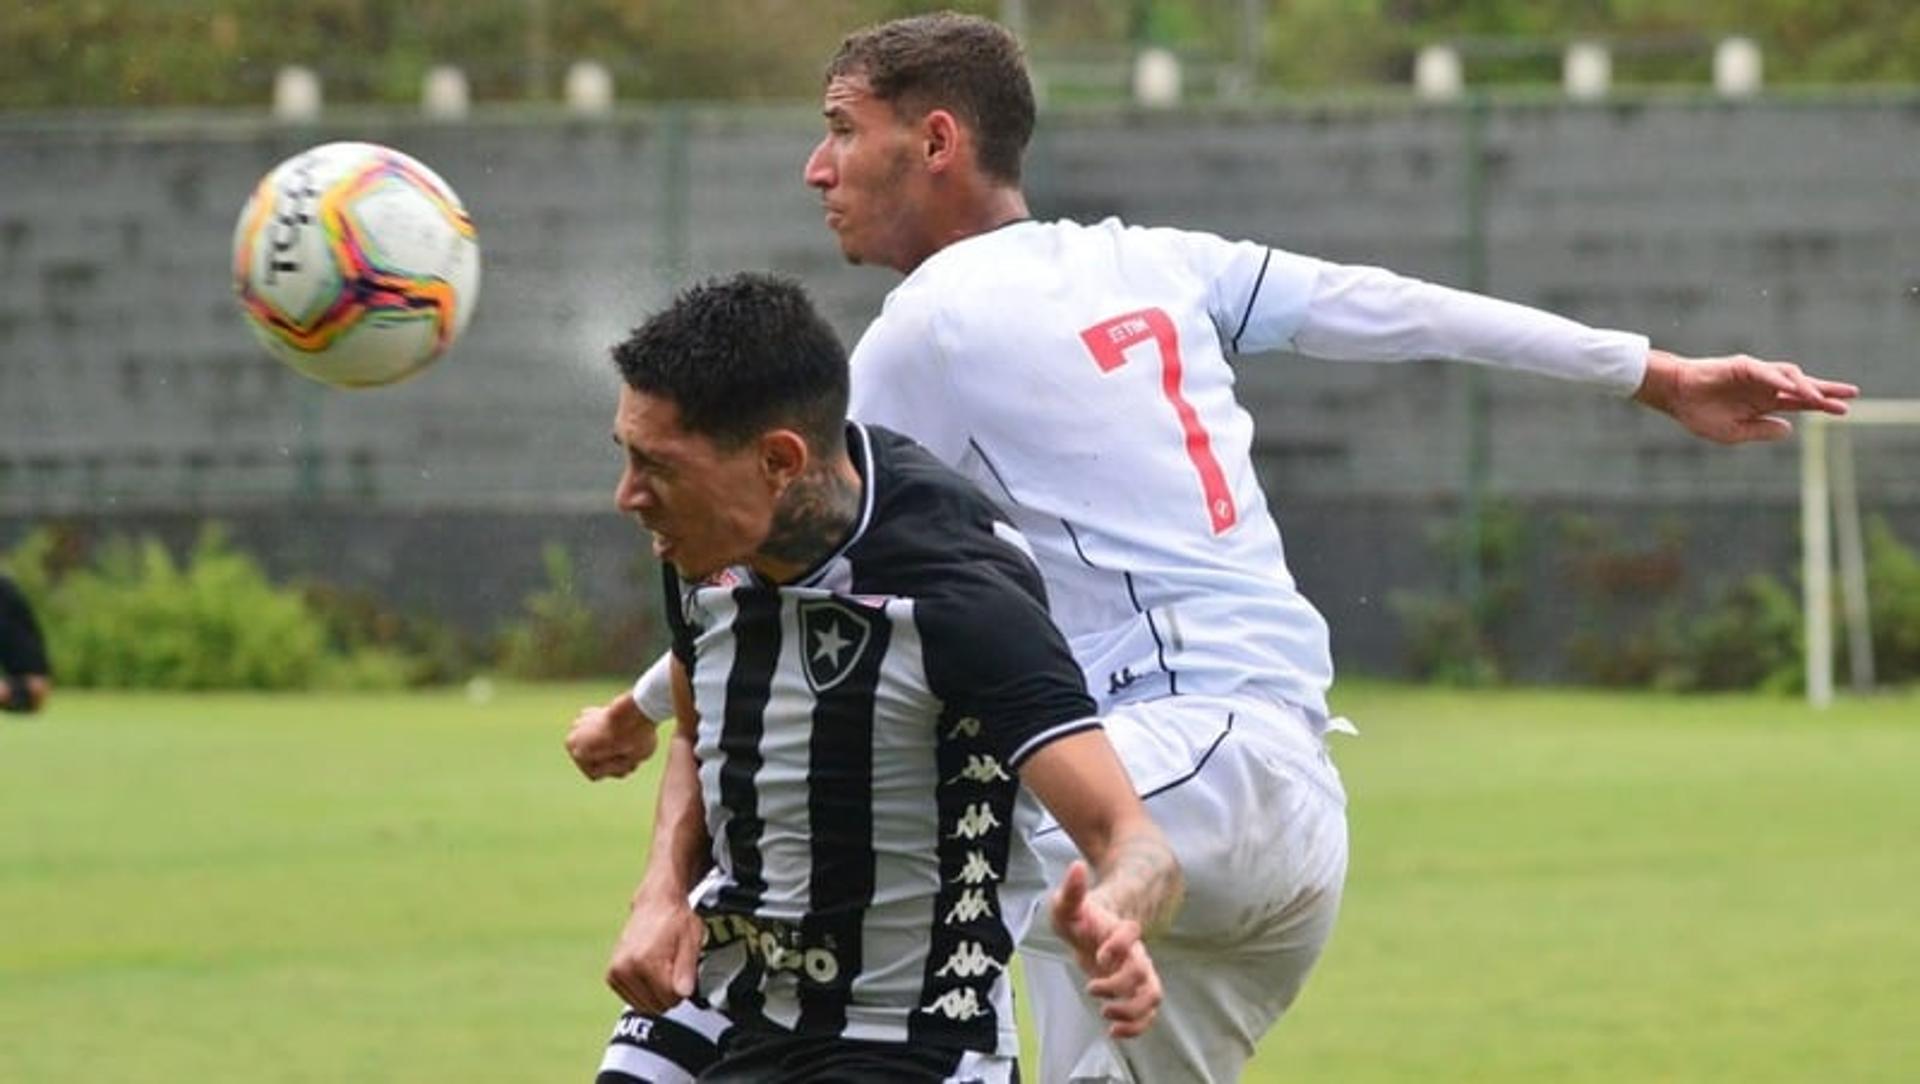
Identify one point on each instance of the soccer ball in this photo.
(355, 264)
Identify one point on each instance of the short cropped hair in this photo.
(741, 356)
(970, 66)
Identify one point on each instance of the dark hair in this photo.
(962, 63)
(742, 355)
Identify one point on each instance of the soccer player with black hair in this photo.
(874, 715)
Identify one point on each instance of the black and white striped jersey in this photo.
(860, 735)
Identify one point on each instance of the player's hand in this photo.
(611, 740)
(655, 959)
(1736, 399)
(1109, 949)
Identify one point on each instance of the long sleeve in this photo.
(1368, 314)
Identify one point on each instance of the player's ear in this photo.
(784, 456)
(940, 134)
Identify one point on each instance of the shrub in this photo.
(1445, 642)
(377, 639)
(131, 616)
(558, 637)
(134, 618)
(1454, 640)
(1893, 594)
(1750, 637)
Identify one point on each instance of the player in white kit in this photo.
(1078, 374)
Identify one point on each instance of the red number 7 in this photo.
(1109, 340)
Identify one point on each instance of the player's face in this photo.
(706, 506)
(864, 171)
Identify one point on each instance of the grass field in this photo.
(1546, 887)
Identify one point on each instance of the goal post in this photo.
(1830, 531)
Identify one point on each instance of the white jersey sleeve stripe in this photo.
(1048, 737)
(1259, 281)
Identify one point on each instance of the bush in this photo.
(136, 619)
(559, 636)
(1445, 643)
(1454, 640)
(131, 616)
(418, 650)
(1750, 637)
(1893, 594)
(1753, 636)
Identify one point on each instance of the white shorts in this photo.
(1252, 805)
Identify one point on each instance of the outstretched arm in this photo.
(1135, 884)
(1736, 399)
(1370, 314)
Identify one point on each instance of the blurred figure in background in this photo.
(25, 677)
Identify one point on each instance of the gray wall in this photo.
(132, 398)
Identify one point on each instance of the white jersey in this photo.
(1079, 375)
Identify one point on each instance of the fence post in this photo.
(676, 194)
(1478, 460)
(589, 88)
(1587, 71)
(1816, 557)
(296, 94)
(443, 94)
(1737, 68)
(1437, 74)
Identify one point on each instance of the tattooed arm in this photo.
(1135, 885)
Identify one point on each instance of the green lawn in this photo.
(1546, 887)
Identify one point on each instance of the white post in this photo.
(1013, 15)
(589, 88)
(1253, 42)
(1437, 74)
(1853, 562)
(1816, 571)
(1737, 68)
(1587, 71)
(1156, 78)
(296, 94)
(443, 95)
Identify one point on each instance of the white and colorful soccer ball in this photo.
(355, 264)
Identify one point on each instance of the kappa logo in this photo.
(970, 961)
(977, 869)
(976, 821)
(833, 637)
(961, 1003)
(972, 904)
(981, 769)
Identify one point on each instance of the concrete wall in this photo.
(129, 388)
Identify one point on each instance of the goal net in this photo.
(1831, 539)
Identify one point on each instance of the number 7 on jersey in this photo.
(1109, 340)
